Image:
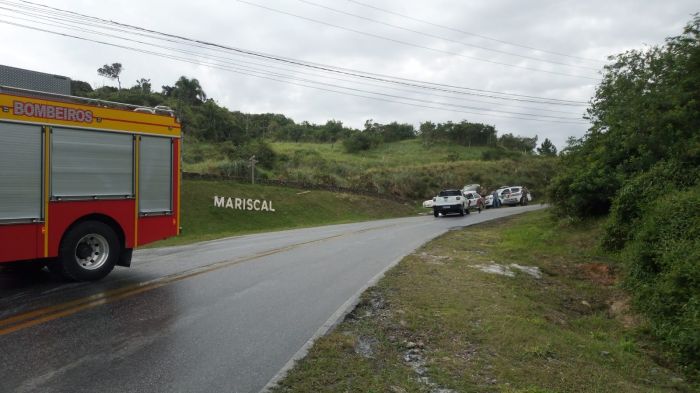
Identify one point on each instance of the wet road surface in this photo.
(218, 316)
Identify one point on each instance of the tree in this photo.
(522, 143)
(112, 72)
(547, 148)
(394, 131)
(357, 141)
(189, 91)
(80, 88)
(167, 91)
(644, 111)
(145, 85)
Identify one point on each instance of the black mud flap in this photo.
(125, 257)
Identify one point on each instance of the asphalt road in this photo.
(219, 316)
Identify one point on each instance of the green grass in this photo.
(398, 154)
(295, 208)
(406, 169)
(481, 332)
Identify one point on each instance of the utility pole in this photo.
(253, 161)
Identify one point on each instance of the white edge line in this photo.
(334, 320)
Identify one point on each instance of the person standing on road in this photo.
(496, 202)
(523, 199)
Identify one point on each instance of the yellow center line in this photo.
(45, 314)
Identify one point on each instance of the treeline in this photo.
(639, 165)
(205, 120)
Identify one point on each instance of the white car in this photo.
(450, 201)
(488, 200)
(514, 196)
(471, 187)
(472, 198)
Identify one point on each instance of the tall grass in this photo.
(406, 169)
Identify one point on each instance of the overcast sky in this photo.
(586, 31)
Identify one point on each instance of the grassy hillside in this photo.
(294, 208)
(407, 152)
(407, 168)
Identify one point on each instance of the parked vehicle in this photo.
(473, 199)
(515, 195)
(450, 201)
(471, 187)
(83, 182)
(501, 192)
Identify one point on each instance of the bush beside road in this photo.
(524, 304)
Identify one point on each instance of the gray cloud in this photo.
(592, 29)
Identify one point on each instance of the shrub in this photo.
(357, 142)
(583, 190)
(237, 168)
(499, 153)
(261, 150)
(663, 273)
(636, 194)
(192, 155)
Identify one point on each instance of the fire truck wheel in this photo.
(88, 251)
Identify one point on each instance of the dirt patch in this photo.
(364, 346)
(495, 268)
(599, 273)
(620, 310)
(415, 357)
(509, 270)
(433, 259)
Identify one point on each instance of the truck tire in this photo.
(461, 211)
(88, 252)
(435, 213)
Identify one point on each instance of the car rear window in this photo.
(450, 193)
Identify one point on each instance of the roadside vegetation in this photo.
(294, 208)
(444, 318)
(394, 159)
(639, 168)
(406, 169)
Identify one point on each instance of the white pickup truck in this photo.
(450, 201)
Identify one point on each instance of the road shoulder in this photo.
(518, 305)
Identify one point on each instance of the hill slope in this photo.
(406, 169)
(294, 208)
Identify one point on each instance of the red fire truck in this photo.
(83, 182)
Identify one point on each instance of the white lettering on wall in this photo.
(219, 202)
(243, 204)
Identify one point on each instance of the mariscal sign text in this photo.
(243, 204)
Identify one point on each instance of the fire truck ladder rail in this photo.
(159, 110)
